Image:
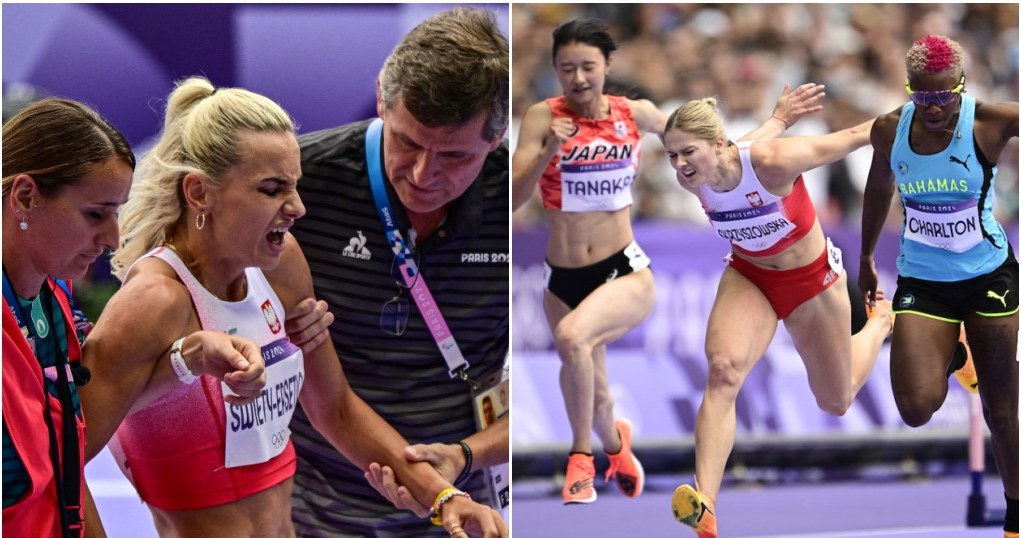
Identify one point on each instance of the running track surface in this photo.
(912, 508)
(895, 508)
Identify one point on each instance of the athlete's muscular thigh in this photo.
(919, 355)
(614, 308)
(993, 343)
(820, 331)
(741, 324)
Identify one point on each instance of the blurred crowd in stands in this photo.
(745, 53)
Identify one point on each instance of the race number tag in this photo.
(258, 431)
(949, 226)
(600, 186)
(835, 257)
(754, 228)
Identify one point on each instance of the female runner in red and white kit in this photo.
(206, 244)
(582, 150)
(782, 267)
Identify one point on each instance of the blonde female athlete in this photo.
(782, 267)
(582, 150)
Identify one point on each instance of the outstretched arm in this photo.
(778, 162)
(790, 107)
(648, 117)
(879, 190)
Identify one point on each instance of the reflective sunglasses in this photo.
(940, 98)
(394, 317)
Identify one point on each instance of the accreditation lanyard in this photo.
(41, 324)
(15, 305)
(456, 364)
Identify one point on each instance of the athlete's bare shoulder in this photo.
(884, 130)
(647, 116)
(1001, 116)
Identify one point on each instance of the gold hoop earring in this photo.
(200, 221)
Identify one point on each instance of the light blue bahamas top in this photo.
(949, 233)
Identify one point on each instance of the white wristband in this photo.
(177, 363)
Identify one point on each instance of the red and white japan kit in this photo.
(594, 169)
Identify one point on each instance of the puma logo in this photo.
(1002, 298)
(963, 163)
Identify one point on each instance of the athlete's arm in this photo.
(778, 162)
(93, 525)
(879, 190)
(491, 446)
(790, 107)
(995, 125)
(648, 117)
(128, 352)
(338, 413)
(539, 139)
(488, 447)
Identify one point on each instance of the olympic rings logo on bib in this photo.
(280, 438)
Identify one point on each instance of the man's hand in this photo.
(308, 324)
(448, 460)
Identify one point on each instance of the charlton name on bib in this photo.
(949, 226)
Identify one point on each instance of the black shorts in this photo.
(992, 295)
(573, 285)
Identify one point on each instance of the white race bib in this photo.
(950, 226)
(754, 229)
(258, 431)
(599, 186)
